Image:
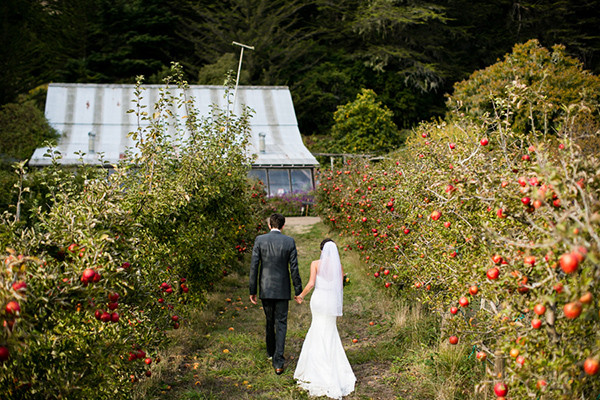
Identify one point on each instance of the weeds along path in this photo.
(220, 353)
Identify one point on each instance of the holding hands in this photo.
(299, 299)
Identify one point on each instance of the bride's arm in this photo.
(314, 266)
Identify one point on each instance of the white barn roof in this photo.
(76, 110)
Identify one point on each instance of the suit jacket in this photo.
(273, 252)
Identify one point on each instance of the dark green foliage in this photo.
(23, 128)
(365, 126)
(410, 53)
(534, 86)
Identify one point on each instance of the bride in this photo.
(323, 368)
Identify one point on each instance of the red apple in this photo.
(586, 298)
(463, 301)
(473, 290)
(536, 323)
(529, 260)
(591, 366)
(541, 384)
(500, 389)
(453, 310)
(580, 253)
(572, 310)
(436, 215)
(88, 275)
(569, 263)
(13, 308)
(558, 288)
(493, 273)
(481, 356)
(525, 200)
(453, 339)
(556, 203)
(539, 309)
(484, 142)
(148, 361)
(113, 297)
(114, 317)
(19, 286)
(4, 353)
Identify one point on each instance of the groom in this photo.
(274, 258)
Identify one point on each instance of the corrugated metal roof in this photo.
(94, 117)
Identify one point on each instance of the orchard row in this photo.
(499, 233)
(100, 271)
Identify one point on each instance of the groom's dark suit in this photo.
(274, 259)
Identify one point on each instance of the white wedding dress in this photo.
(323, 368)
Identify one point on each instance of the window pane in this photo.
(279, 182)
(259, 174)
(301, 180)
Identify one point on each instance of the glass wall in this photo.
(279, 181)
(301, 180)
(260, 174)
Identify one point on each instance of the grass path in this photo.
(220, 353)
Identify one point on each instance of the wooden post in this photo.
(498, 366)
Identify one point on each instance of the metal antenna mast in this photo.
(237, 78)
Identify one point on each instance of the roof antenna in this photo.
(237, 78)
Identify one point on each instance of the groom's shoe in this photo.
(279, 371)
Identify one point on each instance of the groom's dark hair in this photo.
(325, 241)
(277, 221)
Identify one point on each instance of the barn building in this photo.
(93, 119)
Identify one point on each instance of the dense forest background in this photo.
(409, 52)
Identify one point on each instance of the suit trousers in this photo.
(276, 312)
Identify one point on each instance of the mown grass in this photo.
(219, 352)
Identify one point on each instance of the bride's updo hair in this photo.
(325, 241)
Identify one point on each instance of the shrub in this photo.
(540, 89)
(23, 128)
(364, 126)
